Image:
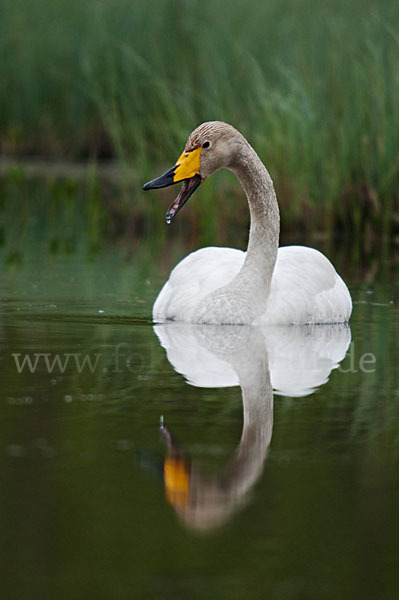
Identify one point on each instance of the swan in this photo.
(266, 284)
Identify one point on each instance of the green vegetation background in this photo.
(313, 85)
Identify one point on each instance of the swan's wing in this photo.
(306, 288)
(197, 275)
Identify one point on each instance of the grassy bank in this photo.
(314, 87)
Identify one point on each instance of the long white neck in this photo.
(244, 299)
(264, 232)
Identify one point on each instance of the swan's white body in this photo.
(305, 287)
(266, 284)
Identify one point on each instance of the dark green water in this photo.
(88, 509)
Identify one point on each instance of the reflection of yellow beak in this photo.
(176, 477)
(187, 165)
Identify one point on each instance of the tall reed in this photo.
(314, 87)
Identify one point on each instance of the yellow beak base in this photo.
(187, 165)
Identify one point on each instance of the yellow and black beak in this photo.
(186, 169)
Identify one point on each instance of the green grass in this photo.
(313, 85)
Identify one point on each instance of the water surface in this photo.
(95, 498)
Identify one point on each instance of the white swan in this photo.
(265, 284)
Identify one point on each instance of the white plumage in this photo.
(305, 287)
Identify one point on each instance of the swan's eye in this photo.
(206, 145)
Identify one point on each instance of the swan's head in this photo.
(211, 146)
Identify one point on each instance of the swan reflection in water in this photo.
(292, 361)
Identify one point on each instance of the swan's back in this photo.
(305, 287)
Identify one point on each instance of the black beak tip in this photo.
(164, 180)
